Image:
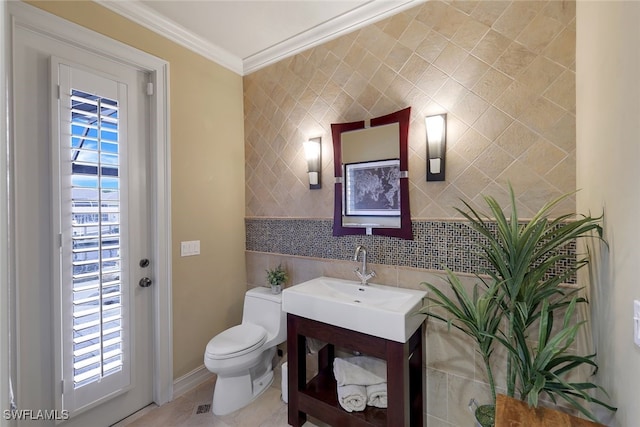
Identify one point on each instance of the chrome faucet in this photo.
(363, 275)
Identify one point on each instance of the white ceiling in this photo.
(245, 35)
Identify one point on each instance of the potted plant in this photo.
(276, 278)
(517, 299)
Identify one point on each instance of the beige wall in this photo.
(207, 180)
(503, 72)
(608, 149)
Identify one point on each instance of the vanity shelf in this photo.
(318, 397)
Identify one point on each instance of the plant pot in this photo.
(276, 289)
(485, 414)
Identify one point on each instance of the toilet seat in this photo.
(236, 341)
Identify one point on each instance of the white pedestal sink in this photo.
(382, 311)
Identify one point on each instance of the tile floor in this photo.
(269, 410)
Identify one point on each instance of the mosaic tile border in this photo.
(436, 244)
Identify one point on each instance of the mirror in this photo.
(372, 179)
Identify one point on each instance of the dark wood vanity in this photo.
(318, 397)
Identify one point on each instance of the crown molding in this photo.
(370, 12)
(355, 19)
(149, 18)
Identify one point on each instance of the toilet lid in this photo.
(236, 341)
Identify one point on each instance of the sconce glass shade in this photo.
(313, 153)
(436, 146)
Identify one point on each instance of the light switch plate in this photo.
(190, 248)
(636, 322)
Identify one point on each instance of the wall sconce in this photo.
(313, 153)
(436, 146)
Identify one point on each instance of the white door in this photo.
(85, 338)
(100, 210)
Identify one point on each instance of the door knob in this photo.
(145, 282)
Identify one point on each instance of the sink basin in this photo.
(382, 311)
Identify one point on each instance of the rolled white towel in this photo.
(377, 395)
(352, 397)
(360, 370)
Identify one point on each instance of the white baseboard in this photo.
(190, 380)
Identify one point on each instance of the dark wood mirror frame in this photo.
(401, 117)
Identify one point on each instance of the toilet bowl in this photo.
(242, 356)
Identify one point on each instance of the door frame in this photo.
(6, 297)
(19, 14)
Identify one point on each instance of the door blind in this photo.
(96, 253)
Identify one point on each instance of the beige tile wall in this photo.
(503, 71)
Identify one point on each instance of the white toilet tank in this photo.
(264, 308)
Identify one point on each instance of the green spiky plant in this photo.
(522, 289)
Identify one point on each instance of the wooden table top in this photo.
(511, 412)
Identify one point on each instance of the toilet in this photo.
(242, 356)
